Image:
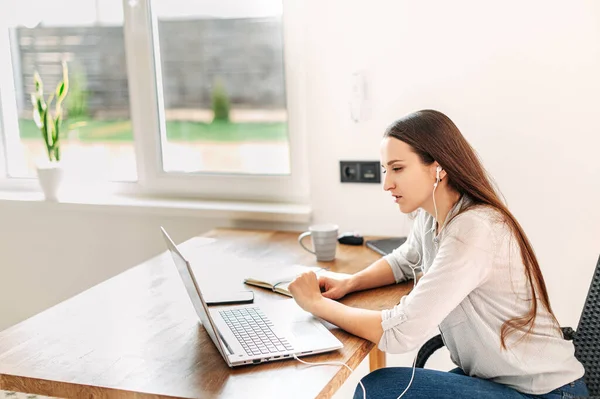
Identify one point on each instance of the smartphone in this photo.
(229, 298)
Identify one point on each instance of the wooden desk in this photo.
(136, 335)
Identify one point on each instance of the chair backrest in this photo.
(587, 347)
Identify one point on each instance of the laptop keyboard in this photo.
(253, 331)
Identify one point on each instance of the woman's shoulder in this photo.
(482, 213)
(478, 221)
(472, 213)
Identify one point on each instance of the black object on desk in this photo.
(385, 246)
(351, 239)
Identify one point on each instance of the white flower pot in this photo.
(50, 176)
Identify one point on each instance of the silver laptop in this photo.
(247, 334)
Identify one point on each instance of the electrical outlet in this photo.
(360, 172)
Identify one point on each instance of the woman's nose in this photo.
(388, 184)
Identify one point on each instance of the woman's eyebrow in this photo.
(394, 160)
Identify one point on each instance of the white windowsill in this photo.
(233, 210)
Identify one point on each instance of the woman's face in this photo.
(408, 180)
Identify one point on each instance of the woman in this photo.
(481, 284)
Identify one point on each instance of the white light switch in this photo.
(358, 90)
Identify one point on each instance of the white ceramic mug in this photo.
(324, 240)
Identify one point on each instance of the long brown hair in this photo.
(434, 137)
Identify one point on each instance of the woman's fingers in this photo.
(324, 283)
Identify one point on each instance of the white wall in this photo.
(47, 257)
(520, 79)
(50, 253)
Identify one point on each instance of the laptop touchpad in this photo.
(306, 334)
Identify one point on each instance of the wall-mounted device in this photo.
(360, 172)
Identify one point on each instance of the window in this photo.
(223, 86)
(96, 134)
(176, 97)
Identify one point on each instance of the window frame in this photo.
(148, 123)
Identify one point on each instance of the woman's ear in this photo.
(442, 172)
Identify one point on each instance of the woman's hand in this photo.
(306, 292)
(335, 285)
(361, 322)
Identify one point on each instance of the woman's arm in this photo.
(363, 323)
(396, 267)
(464, 262)
(377, 275)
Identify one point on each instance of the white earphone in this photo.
(438, 169)
(437, 175)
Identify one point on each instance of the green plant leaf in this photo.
(37, 118)
(37, 82)
(52, 137)
(42, 128)
(49, 126)
(45, 126)
(56, 129)
(63, 87)
(61, 90)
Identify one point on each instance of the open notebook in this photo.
(278, 277)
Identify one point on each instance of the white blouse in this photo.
(473, 281)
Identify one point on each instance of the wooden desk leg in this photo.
(376, 359)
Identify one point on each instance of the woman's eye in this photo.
(394, 169)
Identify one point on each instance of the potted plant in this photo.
(50, 173)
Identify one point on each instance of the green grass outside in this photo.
(120, 130)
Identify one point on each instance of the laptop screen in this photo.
(193, 290)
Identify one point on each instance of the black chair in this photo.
(585, 339)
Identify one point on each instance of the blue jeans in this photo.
(389, 383)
